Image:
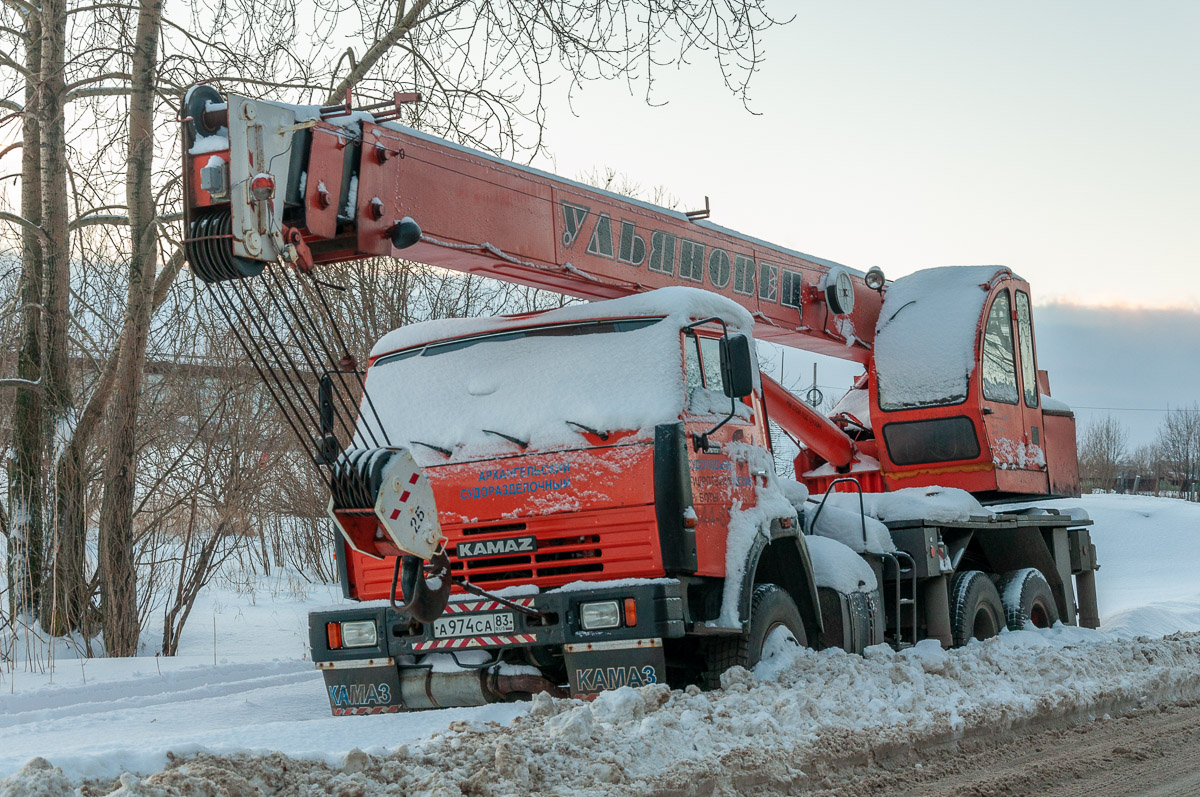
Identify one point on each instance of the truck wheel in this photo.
(770, 608)
(1027, 599)
(975, 607)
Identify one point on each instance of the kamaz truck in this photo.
(588, 497)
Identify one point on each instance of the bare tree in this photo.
(1102, 449)
(1147, 465)
(25, 476)
(101, 84)
(1179, 443)
(484, 67)
(118, 582)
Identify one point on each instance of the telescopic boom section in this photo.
(345, 191)
(802, 421)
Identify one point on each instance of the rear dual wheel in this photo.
(980, 608)
(976, 611)
(1027, 599)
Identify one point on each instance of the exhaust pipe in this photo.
(423, 688)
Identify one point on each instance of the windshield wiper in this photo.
(447, 453)
(524, 444)
(597, 432)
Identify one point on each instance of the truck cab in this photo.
(592, 465)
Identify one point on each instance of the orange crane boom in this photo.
(267, 182)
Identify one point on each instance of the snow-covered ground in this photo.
(101, 717)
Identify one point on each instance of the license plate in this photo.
(473, 625)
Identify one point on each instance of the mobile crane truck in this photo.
(585, 498)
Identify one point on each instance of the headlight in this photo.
(359, 634)
(594, 616)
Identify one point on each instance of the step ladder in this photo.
(903, 573)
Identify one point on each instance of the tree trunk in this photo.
(58, 405)
(26, 487)
(55, 210)
(69, 609)
(64, 592)
(118, 580)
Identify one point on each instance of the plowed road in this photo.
(1153, 752)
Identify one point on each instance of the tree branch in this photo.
(90, 221)
(99, 6)
(21, 6)
(93, 411)
(20, 69)
(98, 78)
(162, 283)
(25, 383)
(98, 91)
(27, 224)
(377, 51)
(15, 107)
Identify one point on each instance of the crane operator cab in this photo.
(953, 393)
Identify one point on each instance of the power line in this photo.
(1125, 409)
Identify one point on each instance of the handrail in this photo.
(862, 510)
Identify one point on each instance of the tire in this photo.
(975, 608)
(770, 607)
(1027, 599)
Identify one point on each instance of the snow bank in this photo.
(1149, 554)
(797, 708)
(841, 520)
(939, 504)
(837, 566)
(926, 335)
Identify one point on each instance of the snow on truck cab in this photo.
(586, 498)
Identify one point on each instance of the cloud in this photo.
(1130, 359)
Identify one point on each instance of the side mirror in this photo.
(737, 366)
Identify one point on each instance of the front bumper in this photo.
(394, 674)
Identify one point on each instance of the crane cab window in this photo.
(1025, 339)
(999, 360)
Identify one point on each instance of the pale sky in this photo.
(1060, 139)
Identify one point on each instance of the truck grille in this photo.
(603, 545)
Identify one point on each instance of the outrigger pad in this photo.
(406, 508)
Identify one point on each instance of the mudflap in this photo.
(595, 666)
(362, 687)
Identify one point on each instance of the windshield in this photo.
(535, 385)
